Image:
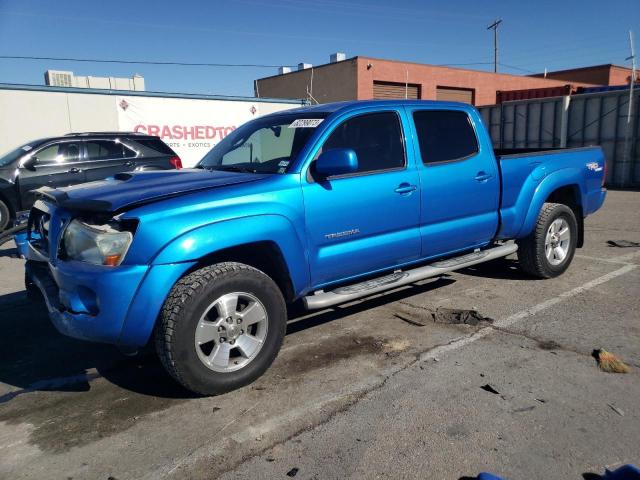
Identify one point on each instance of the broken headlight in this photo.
(96, 244)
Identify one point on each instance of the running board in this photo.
(322, 299)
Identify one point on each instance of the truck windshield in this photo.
(264, 145)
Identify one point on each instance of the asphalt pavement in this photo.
(373, 389)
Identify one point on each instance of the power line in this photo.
(189, 64)
(142, 62)
(526, 70)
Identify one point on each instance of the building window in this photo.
(385, 90)
(454, 94)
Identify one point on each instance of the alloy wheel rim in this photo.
(231, 332)
(557, 241)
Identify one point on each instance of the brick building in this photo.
(607, 74)
(361, 78)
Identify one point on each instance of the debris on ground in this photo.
(420, 316)
(408, 319)
(623, 243)
(490, 389)
(395, 346)
(524, 409)
(619, 411)
(457, 316)
(293, 472)
(608, 362)
(549, 345)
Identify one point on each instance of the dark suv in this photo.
(75, 158)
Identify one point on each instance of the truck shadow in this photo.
(301, 320)
(499, 269)
(35, 357)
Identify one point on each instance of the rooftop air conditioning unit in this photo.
(57, 78)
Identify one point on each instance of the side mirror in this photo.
(337, 161)
(30, 163)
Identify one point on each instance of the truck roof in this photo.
(355, 104)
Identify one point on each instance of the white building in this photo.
(61, 78)
(190, 124)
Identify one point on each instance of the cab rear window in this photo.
(444, 135)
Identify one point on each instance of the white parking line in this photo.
(621, 259)
(527, 312)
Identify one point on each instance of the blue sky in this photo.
(534, 35)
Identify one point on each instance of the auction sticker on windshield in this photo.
(306, 123)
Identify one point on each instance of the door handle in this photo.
(482, 177)
(129, 164)
(74, 170)
(405, 188)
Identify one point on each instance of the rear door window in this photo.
(444, 135)
(107, 150)
(376, 138)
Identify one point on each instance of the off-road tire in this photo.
(531, 250)
(5, 216)
(188, 300)
(33, 293)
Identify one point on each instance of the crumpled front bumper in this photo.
(117, 305)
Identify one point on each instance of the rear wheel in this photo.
(221, 327)
(548, 251)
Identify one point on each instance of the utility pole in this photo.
(494, 26)
(633, 75)
(626, 165)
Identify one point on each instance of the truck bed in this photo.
(525, 170)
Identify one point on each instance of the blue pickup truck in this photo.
(319, 206)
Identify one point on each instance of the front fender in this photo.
(552, 182)
(208, 239)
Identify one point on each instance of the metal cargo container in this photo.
(529, 93)
(574, 121)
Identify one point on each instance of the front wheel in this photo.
(5, 216)
(547, 252)
(221, 327)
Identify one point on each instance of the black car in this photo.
(75, 158)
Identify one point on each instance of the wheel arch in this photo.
(269, 243)
(264, 255)
(562, 186)
(569, 195)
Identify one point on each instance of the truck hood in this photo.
(126, 190)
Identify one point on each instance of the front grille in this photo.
(45, 229)
(38, 231)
